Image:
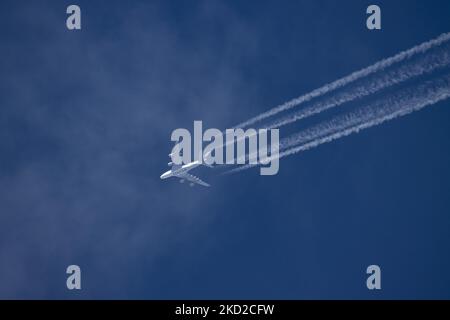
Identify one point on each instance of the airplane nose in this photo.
(165, 175)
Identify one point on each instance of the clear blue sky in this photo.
(85, 123)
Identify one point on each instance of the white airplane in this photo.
(181, 171)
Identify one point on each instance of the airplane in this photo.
(181, 171)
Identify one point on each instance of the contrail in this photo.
(423, 65)
(415, 64)
(399, 104)
(378, 66)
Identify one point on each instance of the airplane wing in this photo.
(193, 179)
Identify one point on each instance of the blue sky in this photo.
(85, 124)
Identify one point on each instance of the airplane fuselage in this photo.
(179, 171)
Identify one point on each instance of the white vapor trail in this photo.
(378, 66)
(424, 65)
(398, 104)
